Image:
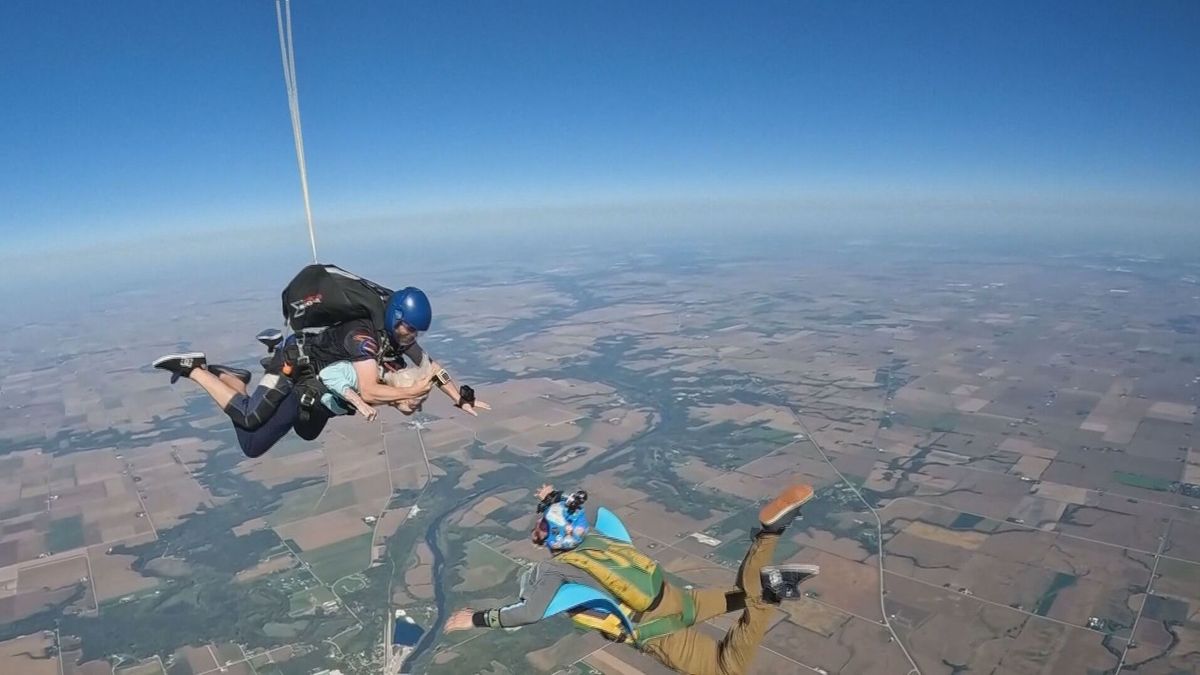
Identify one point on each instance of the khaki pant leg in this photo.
(690, 651)
(687, 651)
(712, 602)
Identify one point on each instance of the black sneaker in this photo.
(180, 365)
(270, 338)
(782, 582)
(243, 375)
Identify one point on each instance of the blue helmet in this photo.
(411, 306)
(564, 527)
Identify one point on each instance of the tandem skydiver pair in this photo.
(346, 352)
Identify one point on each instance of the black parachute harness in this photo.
(319, 297)
(305, 377)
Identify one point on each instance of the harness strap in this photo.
(665, 625)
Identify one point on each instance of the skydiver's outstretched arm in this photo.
(447, 386)
(544, 582)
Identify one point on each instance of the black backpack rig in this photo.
(320, 297)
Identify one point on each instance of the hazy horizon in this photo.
(1083, 117)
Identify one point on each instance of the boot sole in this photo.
(790, 499)
(810, 570)
(189, 355)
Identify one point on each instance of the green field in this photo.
(1061, 581)
(1140, 481)
(350, 585)
(296, 504)
(309, 599)
(483, 568)
(65, 534)
(935, 422)
(768, 434)
(336, 497)
(344, 558)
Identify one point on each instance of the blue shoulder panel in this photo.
(609, 525)
(578, 596)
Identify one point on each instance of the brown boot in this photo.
(781, 511)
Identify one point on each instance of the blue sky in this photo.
(138, 118)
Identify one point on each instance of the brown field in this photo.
(199, 659)
(272, 473)
(816, 617)
(839, 437)
(252, 525)
(992, 495)
(327, 528)
(824, 540)
(414, 475)
(947, 625)
(147, 667)
(442, 437)
(28, 655)
(898, 513)
(697, 570)
(900, 439)
(1179, 579)
(965, 539)
(697, 472)
(1030, 466)
(559, 467)
(745, 414)
(16, 607)
(1038, 512)
(620, 660)
(42, 493)
(609, 484)
(923, 559)
(8, 581)
(403, 446)
(654, 520)
(90, 668)
(478, 467)
(1185, 541)
(856, 646)
(569, 649)
(752, 488)
(170, 493)
(1192, 472)
(350, 463)
(1086, 598)
(847, 585)
(50, 576)
(529, 441)
(1112, 526)
(1003, 581)
(265, 568)
(371, 494)
(388, 523)
(1035, 648)
(795, 461)
(1061, 493)
(419, 577)
(1024, 447)
(1181, 659)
